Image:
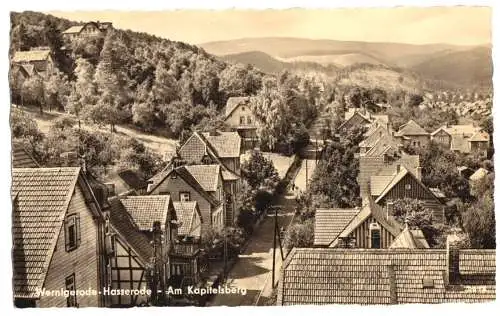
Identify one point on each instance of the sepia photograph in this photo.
(252, 157)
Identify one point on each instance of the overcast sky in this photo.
(452, 25)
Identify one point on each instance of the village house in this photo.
(32, 62)
(412, 134)
(89, 29)
(200, 183)
(239, 117)
(356, 118)
(156, 217)
(221, 148)
(58, 237)
(462, 138)
(387, 276)
(129, 257)
(366, 227)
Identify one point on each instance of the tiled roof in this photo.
(21, 158)
(382, 145)
(382, 119)
(147, 209)
(30, 55)
(411, 128)
(382, 276)
(329, 223)
(226, 144)
(186, 212)
(480, 137)
(41, 198)
(229, 176)
(124, 225)
(160, 175)
(479, 174)
(206, 175)
(133, 179)
(379, 183)
(373, 135)
(410, 239)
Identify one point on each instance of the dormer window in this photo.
(374, 236)
(407, 187)
(427, 283)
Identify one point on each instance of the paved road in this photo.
(254, 267)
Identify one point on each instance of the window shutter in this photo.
(77, 230)
(66, 233)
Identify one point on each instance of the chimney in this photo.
(398, 168)
(419, 173)
(453, 262)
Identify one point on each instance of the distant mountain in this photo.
(269, 64)
(470, 67)
(450, 65)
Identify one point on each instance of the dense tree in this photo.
(300, 235)
(259, 172)
(335, 177)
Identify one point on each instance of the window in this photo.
(374, 236)
(242, 120)
(243, 109)
(407, 187)
(249, 120)
(184, 196)
(70, 286)
(72, 232)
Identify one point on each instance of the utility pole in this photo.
(276, 237)
(307, 175)
(225, 240)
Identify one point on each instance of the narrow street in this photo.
(254, 268)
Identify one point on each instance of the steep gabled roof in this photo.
(21, 158)
(225, 144)
(30, 55)
(234, 102)
(403, 172)
(373, 135)
(186, 212)
(206, 175)
(369, 209)
(467, 130)
(123, 224)
(383, 145)
(41, 198)
(147, 209)
(411, 129)
(191, 181)
(329, 223)
(351, 117)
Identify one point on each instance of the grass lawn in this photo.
(158, 144)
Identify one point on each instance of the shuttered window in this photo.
(72, 232)
(71, 286)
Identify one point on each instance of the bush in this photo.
(300, 235)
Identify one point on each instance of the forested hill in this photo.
(154, 83)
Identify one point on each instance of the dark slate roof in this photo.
(226, 144)
(206, 175)
(31, 55)
(410, 129)
(21, 158)
(381, 276)
(186, 211)
(133, 179)
(329, 223)
(124, 225)
(147, 209)
(41, 197)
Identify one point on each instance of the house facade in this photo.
(412, 134)
(33, 62)
(239, 117)
(58, 235)
(89, 29)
